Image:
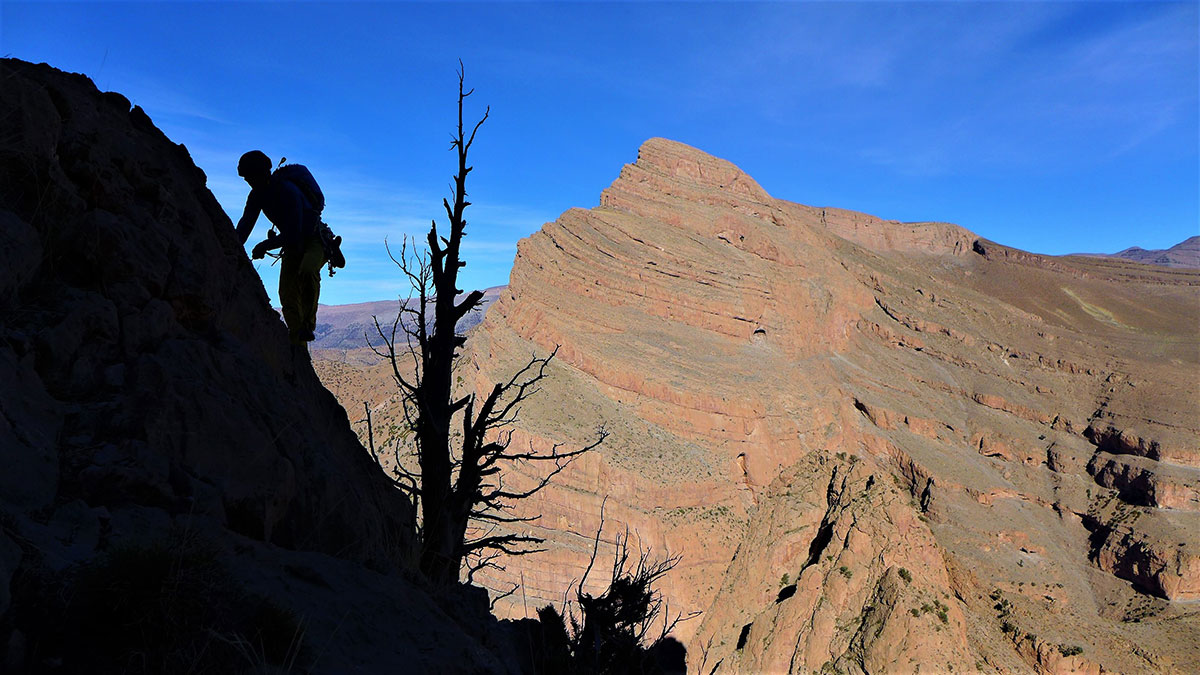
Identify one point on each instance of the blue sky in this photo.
(1052, 127)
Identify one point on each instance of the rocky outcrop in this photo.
(836, 569)
(144, 363)
(1153, 549)
(725, 337)
(1146, 482)
(152, 411)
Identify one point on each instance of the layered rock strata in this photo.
(826, 397)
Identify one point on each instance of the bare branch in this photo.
(506, 543)
(370, 433)
(461, 439)
(487, 111)
(498, 598)
(488, 515)
(595, 548)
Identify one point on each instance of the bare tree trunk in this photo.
(443, 513)
(460, 485)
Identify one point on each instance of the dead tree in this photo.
(462, 441)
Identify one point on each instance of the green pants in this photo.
(300, 288)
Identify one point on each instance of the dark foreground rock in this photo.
(161, 442)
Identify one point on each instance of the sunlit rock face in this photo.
(875, 444)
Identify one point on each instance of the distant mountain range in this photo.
(1184, 254)
(343, 327)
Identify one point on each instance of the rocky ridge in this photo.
(157, 428)
(1016, 432)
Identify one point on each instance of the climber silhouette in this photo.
(282, 197)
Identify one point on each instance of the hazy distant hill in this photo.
(1184, 254)
(342, 326)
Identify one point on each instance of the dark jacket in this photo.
(286, 207)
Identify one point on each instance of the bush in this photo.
(623, 630)
(1070, 651)
(906, 575)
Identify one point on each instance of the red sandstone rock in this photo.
(740, 347)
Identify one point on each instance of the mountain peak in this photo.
(1185, 254)
(691, 167)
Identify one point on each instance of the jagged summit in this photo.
(688, 165)
(670, 177)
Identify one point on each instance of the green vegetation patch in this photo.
(713, 513)
(1095, 311)
(1070, 651)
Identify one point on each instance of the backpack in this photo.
(299, 175)
(302, 178)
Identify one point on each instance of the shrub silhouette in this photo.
(625, 629)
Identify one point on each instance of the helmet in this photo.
(254, 163)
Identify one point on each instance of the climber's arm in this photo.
(249, 217)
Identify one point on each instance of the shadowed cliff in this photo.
(158, 433)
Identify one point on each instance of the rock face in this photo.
(149, 390)
(873, 443)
